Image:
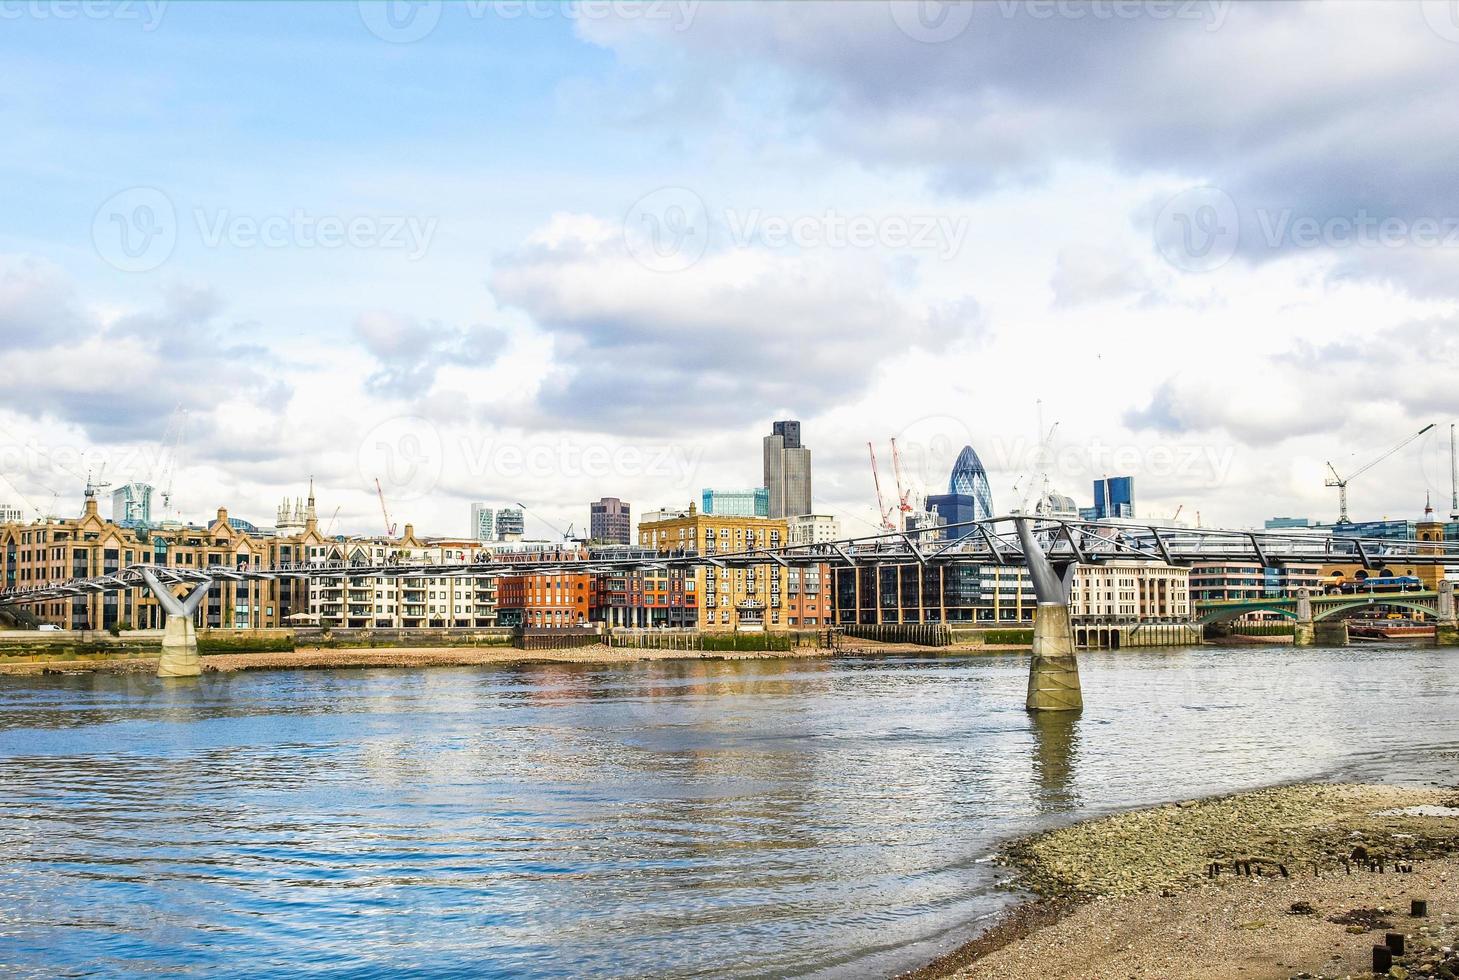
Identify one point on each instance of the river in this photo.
(689, 818)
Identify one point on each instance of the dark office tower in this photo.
(1114, 496)
(609, 521)
(787, 471)
(788, 431)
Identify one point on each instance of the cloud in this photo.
(37, 306)
(410, 352)
(1088, 274)
(1367, 391)
(120, 380)
(737, 336)
(1316, 111)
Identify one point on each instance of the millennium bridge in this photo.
(1049, 548)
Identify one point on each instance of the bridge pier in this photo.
(1446, 628)
(1304, 633)
(179, 637)
(1053, 670)
(1331, 632)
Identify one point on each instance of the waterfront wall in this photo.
(436, 636)
(34, 646)
(1104, 636)
(1116, 637)
(715, 642)
(922, 634)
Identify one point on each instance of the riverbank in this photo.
(338, 658)
(857, 645)
(1132, 895)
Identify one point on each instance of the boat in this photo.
(1388, 629)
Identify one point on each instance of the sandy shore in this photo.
(325, 659)
(321, 658)
(1130, 896)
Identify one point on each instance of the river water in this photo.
(757, 818)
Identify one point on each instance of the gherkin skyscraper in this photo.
(969, 479)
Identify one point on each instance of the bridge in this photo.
(1323, 607)
(1320, 618)
(1050, 549)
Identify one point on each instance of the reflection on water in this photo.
(1056, 744)
(693, 818)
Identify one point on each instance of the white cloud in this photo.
(740, 334)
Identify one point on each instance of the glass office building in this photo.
(1114, 496)
(736, 503)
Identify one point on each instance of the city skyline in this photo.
(530, 526)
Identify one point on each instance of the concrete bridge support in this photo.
(1053, 672)
(1331, 632)
(1304, 633)
(179, 637)
(1446, 629)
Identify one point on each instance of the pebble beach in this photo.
(1292, 882)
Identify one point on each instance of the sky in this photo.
(520, 252)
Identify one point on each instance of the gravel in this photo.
(1133, 894)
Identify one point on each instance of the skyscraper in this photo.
(131, 505)
(787, 470)
(510, 524)
(483, 522)
(609, 520)
(968, 497)
(969, 477)
(1114, 496)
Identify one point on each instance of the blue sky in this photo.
(597, 249)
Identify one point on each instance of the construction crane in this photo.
(99, 483)
(882, 509)
(174, 438)
(566, 535)
(389, 527)
(1342, 482)
(903, 494)
(54, 512)
(1453, 477)
(333, 519)
(43, 515)
(1041, 464)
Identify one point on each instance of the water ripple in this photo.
(765, 818)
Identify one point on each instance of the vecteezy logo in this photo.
(667, 230)
(135, 230)
(404, 454)
(400, 21)
(1198, 229)
(932, 21)
(1443, 18)
(929, 446)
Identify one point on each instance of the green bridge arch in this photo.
(1323, 607)
(1335, 610)
(1235, 610)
